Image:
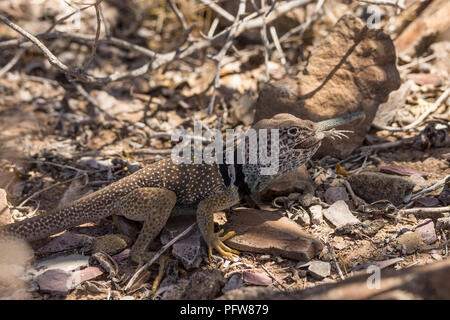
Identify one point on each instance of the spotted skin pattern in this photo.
(150, 194)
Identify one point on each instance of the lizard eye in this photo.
(293, 132)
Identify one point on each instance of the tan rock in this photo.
(268, 232)
(352, 69)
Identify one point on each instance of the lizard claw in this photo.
(217, 243)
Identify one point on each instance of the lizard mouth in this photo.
(308, 143)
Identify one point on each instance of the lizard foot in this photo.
(217, 243)
(162, 264)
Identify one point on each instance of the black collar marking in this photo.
(240, 177)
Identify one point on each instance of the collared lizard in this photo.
(150, 194)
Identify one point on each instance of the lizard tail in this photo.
(332, 123)
(47, 224)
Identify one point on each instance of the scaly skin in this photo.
(150, 194)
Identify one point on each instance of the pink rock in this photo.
(426, 229)
(257, 279)
(89, 273)
(122, 256)
(334, 194)
(427, 201)
(68, 240)
(403, 171)
(55, 281)
(425, 78)
(268, 232)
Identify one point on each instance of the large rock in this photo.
(268, 232)
(374, 186)
(352, 69)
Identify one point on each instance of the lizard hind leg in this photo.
(152, 206)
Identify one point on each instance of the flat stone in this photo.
(234, 282)
(425, 78)
(267, 232)
(427, 230)
(319, 269)
(339, 214)
(316, 214)
(444, 197)
(334, 194)
(122, 256)
(427, 201)
(374, 186)
(55, 281)
(352, 69)
(188, 250)
(81, 275)
(5, 213)
(68, 240)
(402, 171)
(257, 279)
(63, 262)
(299, 180)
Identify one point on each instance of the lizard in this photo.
(150, 194)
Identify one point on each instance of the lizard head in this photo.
(298, 139)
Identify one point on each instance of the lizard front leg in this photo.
(152, 206)
(205, 221)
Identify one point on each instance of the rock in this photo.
(60, 282)
(339, 214)
(188, 250)
(425, 78)
(68, 240)
(63, 262)
(122, 256)
(201, 285)
(316, 214)
(55, 281)
(387, 111)
(86, 274)
(380, 264)
(5, 214)
(444, 196)
(409, 242)
(402, 171)
(429, 282)
(319, 269)
(234, 282)
(427, 201)
(268, 232)
(443, 223)
(374, 186)
(299, 180)
(426, 229)
(303, 218)
(352, 69)
(423, 30)
(367, 228)
(334, 194)
(257, 279)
